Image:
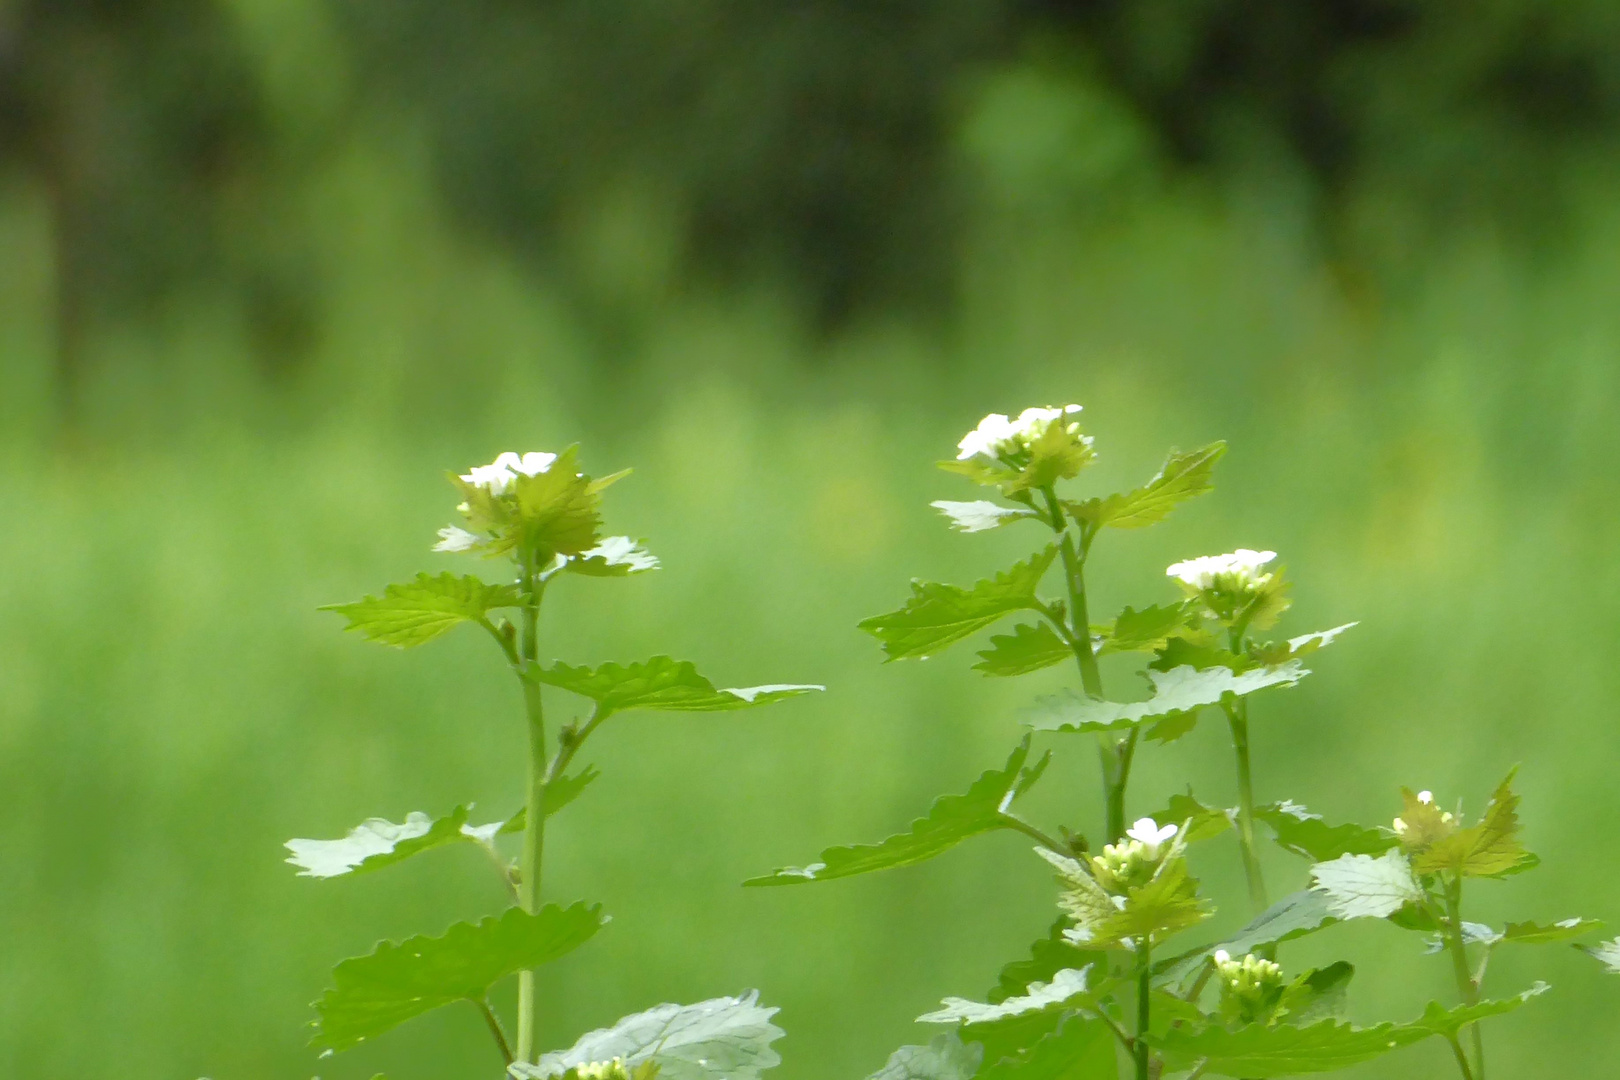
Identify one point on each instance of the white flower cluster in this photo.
(1239, 571)
(498, 475)
(1124, 865)
(997, 435)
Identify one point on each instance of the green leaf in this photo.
(1143, 631)
(559, 509)
(1439, 1020)
(559, 793)
(1164, 905)
(394, 983)
(1183, 477)
(1606, 953)
(1179, 692)
(936, 615)
(1529, 933)
(1259, 1051)
(952, 819)
(1078, 1048)
(376, 843)
(1489, 849)
(727, 1038)
(1066, 985)
(1363, 887)
(1028, 648)
(1196, 821)
(613, 556)
(660, 683)
(421, 610)
(1047, 956)
(1293, 916)
(970, 517)
(1318, 994)
(945, 1058)
(1295, 648)
(1304, 833)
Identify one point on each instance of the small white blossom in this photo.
(1150, 835)
(497, 476)
(1425, 796)
(996, 434)
(455, 538)
(1239, 569)
(1222, 956)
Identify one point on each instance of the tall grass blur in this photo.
(1422, 422)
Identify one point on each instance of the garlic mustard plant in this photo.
(1109, 991)
(539, 517)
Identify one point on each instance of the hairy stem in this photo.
(494, 1028)
(1144, 987)
(1237, 717)
(534, 836)
(1466, 986)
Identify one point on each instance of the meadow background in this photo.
(268, 269)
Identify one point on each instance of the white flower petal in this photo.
(454, 538)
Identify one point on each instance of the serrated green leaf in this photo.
(1439, 1020)
(945, 1058)
(660, 683)
(394, 983)
(1530, 933)
(1298, 830)
(1364, 887)
(1028, 648)
(1488, 849)
(952, 819)
(559, 793)
(1164, 905)
(419, 611)
(1047, 956)
(613, 556)
(1183, 477)
(727, 1038)
(1606, 953)
(1066, 985)
(1258, 1051)
(376, 843)
(1195, 820)
(980, 516)
(1295, 648)
(937, 615)
(1077, 1048)
(1293, 916)
(1142, 631)
(1176, 693)
(559, 508)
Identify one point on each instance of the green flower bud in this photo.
(1250, 988)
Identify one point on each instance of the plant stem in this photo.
(1462, 1058)
(1144, 987)
(1466, 985)
(534, 836)
(494, 1028)
(1237, 717)
(1114, 754)
(1013, 821)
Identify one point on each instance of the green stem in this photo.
(1144, 987)
(1466, 986)
(1013, 821)
(1237, 717)
(534, 836)
(1462, 1058)
(495, 1030)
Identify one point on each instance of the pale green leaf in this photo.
(419, 611)
(1047, 956)
(952, 819)
(376, 843)
(660, 683)
(1529, 933)
(1488, 849)
(1307, 834)
(1606, 953)
(1293, 916)
(1028, 648)
(1439, 1020)
(1364, 887)
(1184, 476)
(613, 556)
(1164, 905)
(1066, 985)
(395, 983)
(937, 615)
(945, 1058)
(727, 1038)
(1179, 691)
(970, 517)
(1258, 1051)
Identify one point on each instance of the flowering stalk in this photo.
(1144, 1013)
(534, 835)
(1466, 985)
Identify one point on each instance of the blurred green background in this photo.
(269, 267)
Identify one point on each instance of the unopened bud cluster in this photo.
(1249, 987)
(1132, 862)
